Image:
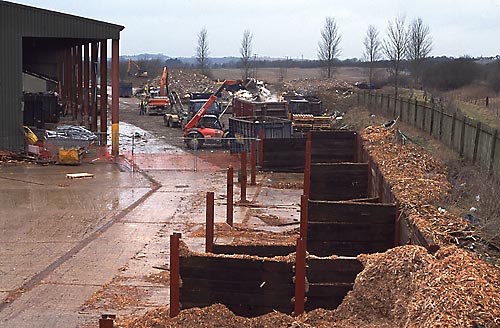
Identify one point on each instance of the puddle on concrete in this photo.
(139, 141)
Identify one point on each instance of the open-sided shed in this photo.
(60, 47)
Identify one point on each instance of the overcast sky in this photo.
(285, 28)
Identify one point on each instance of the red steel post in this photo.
(307, 167)
(93, 83)
(107, 321)
(300, 277)
(174, 275)
(209, 226)
(86, 85)
(79, 91)
(243, 176)
(104, 92)
(230, 187)
(304, 218)
(253, 162)
(115, 85)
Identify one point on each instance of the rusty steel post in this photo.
(230, 187)
(93, 83)
(253, 163)
(209, 225)
(307, 167)
(243, 183)
(261, 147)
(86, 85)
(79, 91)
(67, 80)
(174, 275)
(107, 321)
(72, 84)
(300, 277)
(304, 218)
(115, 85)
(103, 106)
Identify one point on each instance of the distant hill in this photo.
(184, 60)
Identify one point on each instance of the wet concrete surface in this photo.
(64, 240)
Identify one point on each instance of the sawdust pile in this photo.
(403, 287)
(416, 180)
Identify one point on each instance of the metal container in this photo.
(244, 129)
(247, 108)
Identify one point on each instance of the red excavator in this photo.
(156, 104)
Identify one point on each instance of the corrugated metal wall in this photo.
(16, 22)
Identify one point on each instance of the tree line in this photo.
(404, 51)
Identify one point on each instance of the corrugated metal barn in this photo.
(61, 48)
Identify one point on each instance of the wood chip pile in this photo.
(187, 81)
(403, 287)
(417, 180)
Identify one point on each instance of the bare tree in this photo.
(372, 49)
(394, 48)
(246, 52)
(419, 47)
(329, 45)
(202, 50)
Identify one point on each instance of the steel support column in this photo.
(115, 84)
(86, 85)
(209, 225)
(93, 83)
(79, 82)
(103, 106)
(174, 274)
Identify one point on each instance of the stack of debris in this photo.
(188, 81)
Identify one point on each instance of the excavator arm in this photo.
(164, 82)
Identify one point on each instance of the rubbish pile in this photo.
(336, 95)
(186, 82)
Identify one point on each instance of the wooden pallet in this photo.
(79, 175)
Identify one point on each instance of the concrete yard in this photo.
(64, 239)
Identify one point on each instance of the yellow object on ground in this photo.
(30, 135)
(69, 157)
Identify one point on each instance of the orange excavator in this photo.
(156, 104)
(139, 73)
(203, 128)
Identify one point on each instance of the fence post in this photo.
(174, 275)
(492, 147)
(462, 136)
(243, 182)
(453, 128)
(476, 142)
(253, 162)
(230, 187)
(300, 277)
(423, 117)
(416, 113)
(441, 118)
(432, 120)
(209, 225)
